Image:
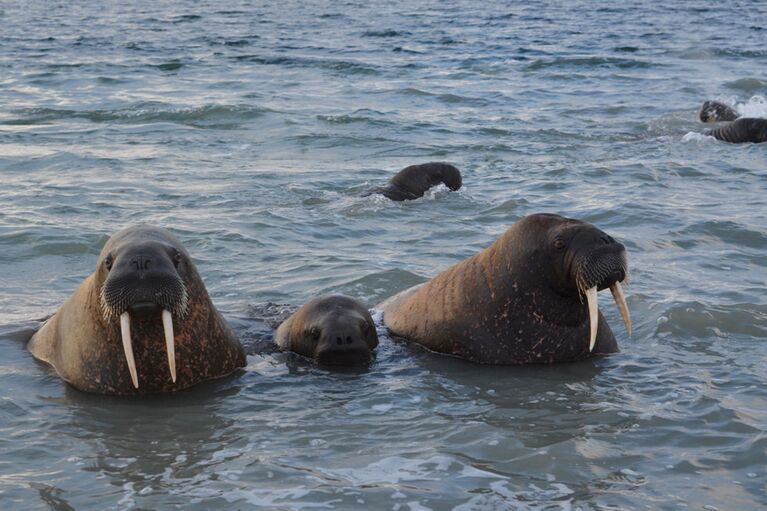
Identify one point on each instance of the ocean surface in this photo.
(252, 131)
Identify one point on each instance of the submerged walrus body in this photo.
(531, 297)
(413, 181)
(141, 323)
(740, 130)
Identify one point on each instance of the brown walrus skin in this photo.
(521, 300)
(333, 330)
(413, 181)
(741, 130)
(715, 111)
(142, 271)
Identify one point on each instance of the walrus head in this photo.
(334, 330)
(142, 278)
(585, 260)
(715, 111)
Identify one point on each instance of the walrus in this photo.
(715, 111)
(141, 323)
(413, 181)
(333, 330)
(531, 297)
(741, 130)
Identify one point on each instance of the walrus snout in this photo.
(142, 282)
(345, 344)
(343, 354)
(601, 267)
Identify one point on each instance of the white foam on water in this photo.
(756, 106)
(272, 499)
(555, 498)
(397, 469)
(694, 136)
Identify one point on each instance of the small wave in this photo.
(385, 33)
(345, 66)
(445, 97)
(203, 116)
(186, 18)
(594, 62)
(701, 320)
(169, 66)
(358, 116)
(747, 84)
(727, 232)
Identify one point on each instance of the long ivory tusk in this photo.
(128, 346)
(591, 297)
(167, 324)
(620, 300)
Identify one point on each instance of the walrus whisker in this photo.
(128, 346)
(591, 298)
(167, 324)
(620, 301)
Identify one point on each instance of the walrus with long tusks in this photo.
(141, 323)
(333, 330)
(413, 181)
(531, 297)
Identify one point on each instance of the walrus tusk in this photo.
(620, 301)
(591, 297)
(128, 346)
(167, 324)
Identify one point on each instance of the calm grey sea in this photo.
(251, 130)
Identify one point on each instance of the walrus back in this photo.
(436, 310)
(744, 129)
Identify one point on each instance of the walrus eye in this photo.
(176, 258)
(559, 244)
(108, 261)
(315, 333)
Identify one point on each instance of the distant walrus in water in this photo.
(144, 309)
(334, 330)
(742, 129)
(413, 181)
(531, 297)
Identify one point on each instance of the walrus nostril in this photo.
(339, 340)
(348, 340)
(140, 263)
